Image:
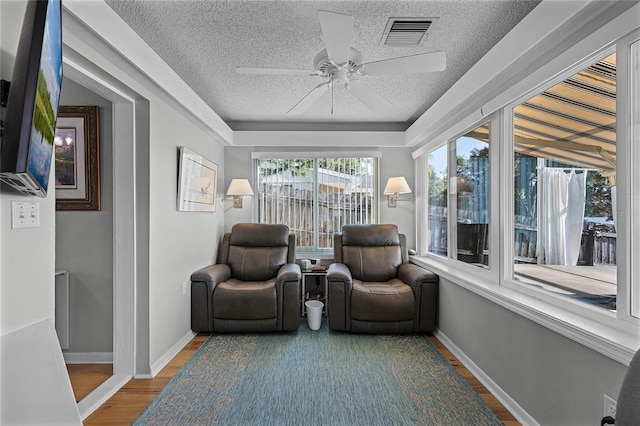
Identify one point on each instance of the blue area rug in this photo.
(317, 378)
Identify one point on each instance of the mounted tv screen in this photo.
(32, 108)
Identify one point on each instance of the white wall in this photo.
(169, 244)
(398, 162)
(26, 261)
(27, 292)
(554, 379)
(238, 165)
(27, 276)
(394, 162)
(84, 243)
(180, 242)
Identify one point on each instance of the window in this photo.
(437, 189)
(316, 196)
(634, 125)
(564, 162)
(564, 228)
(463, 203)
(472, 196)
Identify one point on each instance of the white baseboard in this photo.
(510, 404)
(88, 357)
(101, 394)
(168, 356)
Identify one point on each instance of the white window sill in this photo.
(600, 331)
(313, 255)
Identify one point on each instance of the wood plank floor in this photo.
(85, 378)
(496, 406)
(129, 402)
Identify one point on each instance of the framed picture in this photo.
(77, 158)
(197, 182)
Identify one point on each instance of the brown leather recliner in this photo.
(372, 286)
(254, 285)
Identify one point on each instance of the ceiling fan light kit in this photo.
(343, 65)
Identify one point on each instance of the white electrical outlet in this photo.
(609, 406)
(25, 214)
(184, 288)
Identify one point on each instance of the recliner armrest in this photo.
(288, 291)
(212, 274)
(425, 288)
(412, 274)
(338, 272)
(289, 272)
(203, 282)
(339, 285)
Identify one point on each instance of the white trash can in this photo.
(314, 313)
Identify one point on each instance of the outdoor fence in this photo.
(597, 247)
(295, 208)
(525, 239)
(597, 244)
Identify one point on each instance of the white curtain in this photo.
(563, 213)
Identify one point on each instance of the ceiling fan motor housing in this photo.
(340, 72)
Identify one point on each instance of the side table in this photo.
(314, 287)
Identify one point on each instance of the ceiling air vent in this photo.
(406, 32)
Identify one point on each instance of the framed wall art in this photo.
(77, 158)
(197, 182)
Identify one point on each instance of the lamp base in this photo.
(393, 200)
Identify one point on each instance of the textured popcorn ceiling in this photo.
(204, 41)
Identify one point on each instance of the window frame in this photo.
(256, 157)
(625, 177)
(490, 274)
(612, 334)
(628, 128)
(508, 166)
(492, 120)
(425, 250)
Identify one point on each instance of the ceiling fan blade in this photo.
(308, 100)
(337, 31)
(425, 62)
(370, 98)
(278, 71)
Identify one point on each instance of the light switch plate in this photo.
(25, 214)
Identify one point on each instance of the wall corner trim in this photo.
(168, 356)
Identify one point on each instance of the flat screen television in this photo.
(26, 149)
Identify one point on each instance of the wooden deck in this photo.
(570, 280)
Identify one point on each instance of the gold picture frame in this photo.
(77, 159)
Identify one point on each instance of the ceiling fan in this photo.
(343, 65)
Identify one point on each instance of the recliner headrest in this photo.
(259, 235)
(370, 235)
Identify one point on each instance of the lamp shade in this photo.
(397, 185)
(239, 187)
